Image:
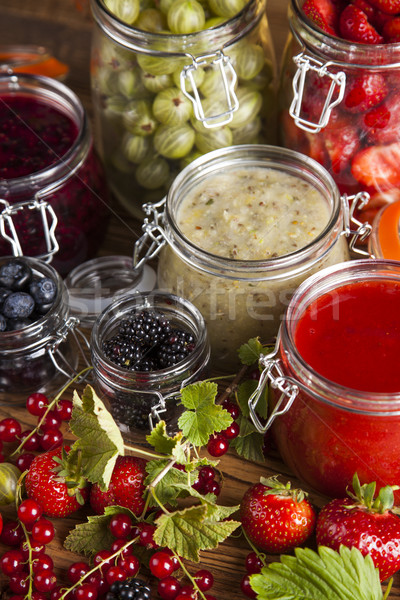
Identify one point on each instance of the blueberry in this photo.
(17, 324)
(18, 305)
(43, 290)
(3, 323)
(15, 274)
(4, 292)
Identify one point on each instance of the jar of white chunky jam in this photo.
(334, 378)
(239, 230)
(174, 80)
(47, 156)
(144, 349)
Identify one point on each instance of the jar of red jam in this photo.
(339, 102)
(334, 378)
(46, 155)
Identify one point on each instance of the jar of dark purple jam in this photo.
(46, 153)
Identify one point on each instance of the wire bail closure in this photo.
(49, 222)
(273, 374)
(338, 80)
(363, 230)
(70, 327)
(153, 238)
(222, 62)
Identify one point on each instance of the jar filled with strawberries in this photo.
(339, 94)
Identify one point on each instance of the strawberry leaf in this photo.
(203, 416)
(190, 530)
(99, 439)
(249, 353)
(171, 486)
(343, 575)
(162, 442)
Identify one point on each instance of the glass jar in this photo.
(28, 58)
(384, 241)
(240, 299)
(139, 399)
(325, 430)
(44, 122)
(161, 99)
(43, 355)
(339, 105)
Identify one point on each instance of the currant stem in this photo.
(141, 452)
(188, 575)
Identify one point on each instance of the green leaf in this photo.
(203, 417)
(99, 439)
(161, 441)
(172, 485)
(250, 352)
(249, 443)
(245, 389)
(94, 535)
(331, 575)
(190, 530)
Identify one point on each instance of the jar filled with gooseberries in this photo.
(172, 80)
(339, 95)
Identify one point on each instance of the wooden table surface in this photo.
(64, 26)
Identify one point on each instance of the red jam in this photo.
(35, 136)
(352, 336)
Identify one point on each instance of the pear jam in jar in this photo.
(244, 229)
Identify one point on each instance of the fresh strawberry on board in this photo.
(126, 486)
(59, 493)
(275, 517)
(378, 167)
(355, 27)
(364, 522)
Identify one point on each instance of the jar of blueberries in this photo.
(38, 340)
(144, 349)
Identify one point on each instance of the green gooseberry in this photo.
(264, 78)
(171, 107)
(198, 77)
(114, 107)
(165, 5)
(120, 163)
(213, 83)
(211, 107)
(186, 160)
(186, 16)
(126, 10)
(250, 103)
(248, 133)
(151, 19)
(135, 147)
(152, 173)
(106, 81)
(129, 83)
(214, 22)
(136, 112)
(226, 8)
(248, 60)
(158, 66)
(212, 139)
(155, 83)
(174, 142)
(9, 476)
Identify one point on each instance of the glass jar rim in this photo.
(341, 52)
(55, 92)
(318, 386)
(267, 156)
(179, 45)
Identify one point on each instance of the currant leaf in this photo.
(249, 442)
(173, 484)
(203, 417)
(249, 353)
(161, 441)
(99, 439)
(245, 389)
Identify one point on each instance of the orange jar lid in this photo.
(388, 238)
(31, 59)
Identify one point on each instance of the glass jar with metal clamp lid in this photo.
(339, 105)
(138, 395)
(47, 155)
(334, 384)
(164, 95)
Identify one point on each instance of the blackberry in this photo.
(146, 341)
(129, 589)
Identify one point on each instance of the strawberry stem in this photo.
(389, 587)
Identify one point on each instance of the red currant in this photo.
(101, 558)
(43, 562)
(52, 438)
(10, 430)
(206, 473)
(37, 404)
(217, 445)
(204, 580)
(161, 565)
(19, 583)
(31, 444)
(36, 549)
(45, 581)
(246, 587)
(130, 564)
(51, 421)
(115, 573)
(24, 461)
(187, 591)
(232, 431)
(86, 591)
(12, 534)
(64, 409)
(173, 558)
(29, 511)
(232, 408)
(77, 570)
(146, 537)
(168, 588)
(11, 562)
(42, 531)
(120, 525)
(212, 487)
(254, 564)
(118, 544)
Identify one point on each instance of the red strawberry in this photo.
(126, 486)
(58, 495)
(383, 122)
(342, 141)
(324, 14)
(364, 92)
(390, 7)
(378, 166)
(391, 30)
(365, 523)
(276, 518)
(355, 27)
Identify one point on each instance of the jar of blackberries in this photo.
(47, 157)
(339, 96)
(144, 349)
(38, 339)
(172, 80)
